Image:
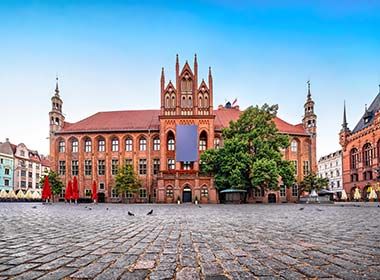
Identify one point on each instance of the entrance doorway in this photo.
(186, 194)
(101, 197)
(271, 198)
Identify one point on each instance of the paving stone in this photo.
(90, 271)
(18, 269)
(188, 274)
(29, 275)
(58, 274)
(135, 275)
(110, 273)
(162, 275)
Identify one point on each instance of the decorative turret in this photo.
(55, 115)
(310, 119)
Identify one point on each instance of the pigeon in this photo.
(107, 208)
(301, 208)
(130, 213)
(89, 208)
(200, 206)
(34, 207)
(150, 212)
(319, 209)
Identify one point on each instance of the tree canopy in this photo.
(56, 184)
(251, 155)
(311, 181)
(126, 180)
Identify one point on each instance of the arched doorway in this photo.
(271, 198)
(186, 194)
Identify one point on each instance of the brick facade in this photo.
(186, 102)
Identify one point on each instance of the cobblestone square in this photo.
(188, 241)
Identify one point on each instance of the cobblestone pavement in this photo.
(188, 242)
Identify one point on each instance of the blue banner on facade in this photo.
(187, 143)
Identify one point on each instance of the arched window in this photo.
(156, 144)
(61, 146)
(171, 164)
(57, 121)
(101, 145)
(115, 145)
(142, 144)
(216, 143)
(167, 101)
(183, 102)
(171, 141)
(204, 191)
(203, 141)
(294, 146)
(200, 105)
(87, 145)
(74, 146)
(128, 144)
(173, 101)
(190, 102)
(205, 105)
(367, 154)
(354, 158)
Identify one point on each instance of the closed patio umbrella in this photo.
(344, 195)
(46, 191)
(75, 194)
(94, 192)
(69, 190)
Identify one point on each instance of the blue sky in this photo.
(109, 54)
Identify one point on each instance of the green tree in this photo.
(311, 181)
(126, 180)
(56, 184)
(251, 155)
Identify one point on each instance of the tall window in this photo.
(74, 168)
(87, 167)
(128, 145)
(293, 146)
(156, 166)
(142, 166)
(142, 144)
(101, 145)
(62, 167)
(306, 168)
(142, 193)
(295, 164)
(6, 171)
(294, 190)
(216, 143)
(87, 146)
(101, 167)
(115, 165)
(367, 154)
(74, 146)
(171, 164)
(128, 161)
(354, 158)
(115, 145)
(171, 142)
(203, 141)
(61, 145)
(156, 144)
(282, 190)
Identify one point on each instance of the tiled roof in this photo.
(116, 121)
(148, 119)
(6, 148)
(369, 114)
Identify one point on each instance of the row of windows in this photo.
(367, 154)
(367, 175)
(101, 167)
(258, 192)
(129, 144)
(306, 167)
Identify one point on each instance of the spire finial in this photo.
(379, 88)
(195, 58)
(344, 124)
(209, 70)
(365, 107)
(56, 85)
(308, 90)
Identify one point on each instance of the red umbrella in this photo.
(75, 194)
(94, 192)
(69, 191)
(46, 192)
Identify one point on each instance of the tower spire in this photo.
(56, 86)
(308, 91)
(344, 124)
